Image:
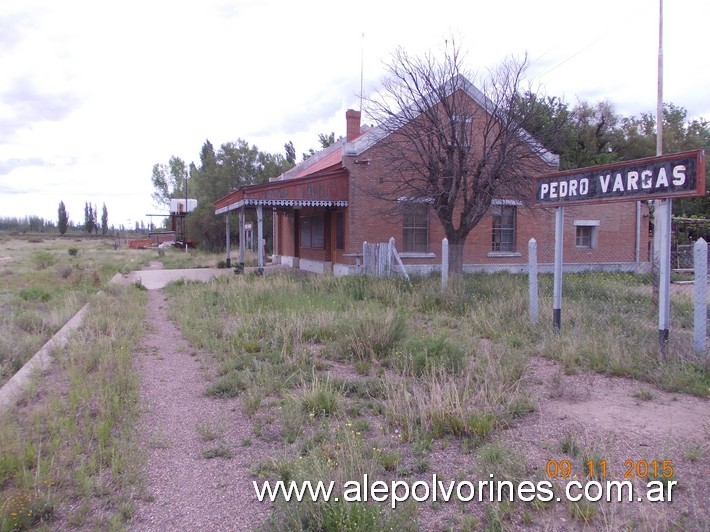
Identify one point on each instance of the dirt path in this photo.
(186, 490)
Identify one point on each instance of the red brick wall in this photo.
(373, 220)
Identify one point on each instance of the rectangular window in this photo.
(504, 228)
(312, 232)
(415, 224)
(340, 230)
(586, 233)
(585, 236)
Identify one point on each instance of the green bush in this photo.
(43, 259)
(35, 293)
(425, 353)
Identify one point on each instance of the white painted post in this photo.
(557, 283)
(229, 242)
(700, 257)
(664, 283)
(260, 236)
(395, 254)
(532, 281)
(444, 264)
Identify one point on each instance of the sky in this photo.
(94, 93)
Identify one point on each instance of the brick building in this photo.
(324, 209)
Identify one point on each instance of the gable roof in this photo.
(374, 135)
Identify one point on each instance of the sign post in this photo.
(653, 178)
(557, 282)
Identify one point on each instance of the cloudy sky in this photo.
(94, 93)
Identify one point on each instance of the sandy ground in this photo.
(618, 419)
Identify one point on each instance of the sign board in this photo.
(666, 176)
(177, 206)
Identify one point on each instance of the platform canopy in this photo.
(323, 190)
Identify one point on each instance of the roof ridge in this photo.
(377, 133)
(312, 160)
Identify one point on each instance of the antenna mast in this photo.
(362, 67)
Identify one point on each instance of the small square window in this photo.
(585, 236)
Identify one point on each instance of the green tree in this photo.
(326, 140)
(89, 218)
(169, 181)
(104, 220)
(62, 219)
(235, 164)
(290, 153)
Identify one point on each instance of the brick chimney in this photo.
(352, 120)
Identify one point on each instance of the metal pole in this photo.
(557, 283)
(260, 235)
(184, 220)
(241, 237)
(664, 285)
(229, 242)
(700, 257)
(663, 217)
(533, 292)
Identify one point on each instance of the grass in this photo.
(45, 281)
(74, 441)
(423, 371)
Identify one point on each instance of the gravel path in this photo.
(184, 489)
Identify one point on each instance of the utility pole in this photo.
(662, 222)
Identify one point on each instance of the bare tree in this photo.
(451, 145)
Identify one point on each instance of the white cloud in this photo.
(93, 94)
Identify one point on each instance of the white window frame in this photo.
(594, 226)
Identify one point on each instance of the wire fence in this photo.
(607, 294)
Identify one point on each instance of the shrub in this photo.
(372, 336)
(43, 259)
(35, 293)
(229, 385)
(425, 353)
(73, 252)
(320, 398)
(64, 270)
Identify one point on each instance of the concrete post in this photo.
(700, 257)
(444, 264)
(533, 292)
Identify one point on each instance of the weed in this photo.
(219, 451)
(582, 511)
(209, 431)
(644, 395)
(694, 452)
(389, 460)
(319, 398)
(229, 385)
(569, 445)
(593, 465)
(35, 293)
